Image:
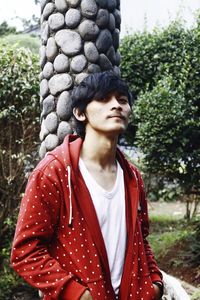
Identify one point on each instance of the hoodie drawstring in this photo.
(70, 195)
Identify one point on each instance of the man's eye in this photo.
(123, 100)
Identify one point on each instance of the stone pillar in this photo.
(78, 37)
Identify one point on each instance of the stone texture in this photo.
(51, 141)
(88, 30)
(48, 105)
(102, 3)
(117, 71)
(44, 88)
(104, 63)
(112, 4)
(45, 31)
(42, 150)
(51, 49)
(69, 41)
(115, 37)
(43, 58)
(89, 8)
(102, 18)
(48, 70)
(111, 24)
(118, 58)
(111, 55)
(72, 18)
(94, 68)
(78, 63)
(56, 21)
(104, 40)
(59, 83)
(80, 77)
(117, 16)
(61, 5)
(48, 10)
(64, 128)
(63, 108)
(43, 132)
(43, 3)
(41, 76)
(51, 122)
(91, 52)
(61, 63)
(73, 3)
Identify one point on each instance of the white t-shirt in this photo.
(110, 209)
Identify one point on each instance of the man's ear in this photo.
(80, 116)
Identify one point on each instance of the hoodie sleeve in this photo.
(36, 224)
(155, 273)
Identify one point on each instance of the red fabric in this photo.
(64, 260)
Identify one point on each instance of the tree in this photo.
(5, 29)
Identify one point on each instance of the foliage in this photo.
(196, 295)
(19, 122)
(5, 29)
(21, 40)
(162, 69)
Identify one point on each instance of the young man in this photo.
(83, 222)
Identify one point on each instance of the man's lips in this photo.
(117, 116)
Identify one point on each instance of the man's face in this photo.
(108, 116)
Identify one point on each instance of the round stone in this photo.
(59, 83)
(69, 41)
(117, 71)
(88, 30)
(48, 105)
(104, 40)
(51, 122)
(61, 5)
(45, 32)
(43, 131)
(61, 63)
(118, 58)
(51, 142)
(56, 21)
(112, 4)
(64, 107)
(73, 3)
(104, 63)
(72, 18)
(102, 3)
(41, 76)
(48, 70)
(93, 68)
(78, 63)
(44, 88)
(117, 16)
(80, 77)
(51, 49)
(102, 18)
(89, 8)
(91, 52)
(111, 55)
(111, 24)
(42, 150)
(48, 10)
(64, 128)
(43, 58)
(43, 3)
(115, 37)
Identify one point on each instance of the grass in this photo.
(22, 40)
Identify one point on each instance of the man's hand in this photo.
(157, 292)
(86, 296)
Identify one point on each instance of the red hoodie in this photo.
(58, 245)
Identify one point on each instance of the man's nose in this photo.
(115, 103)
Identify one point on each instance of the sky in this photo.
(136, 14)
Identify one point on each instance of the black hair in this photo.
(96, 86)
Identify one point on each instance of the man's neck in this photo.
(99, 150)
